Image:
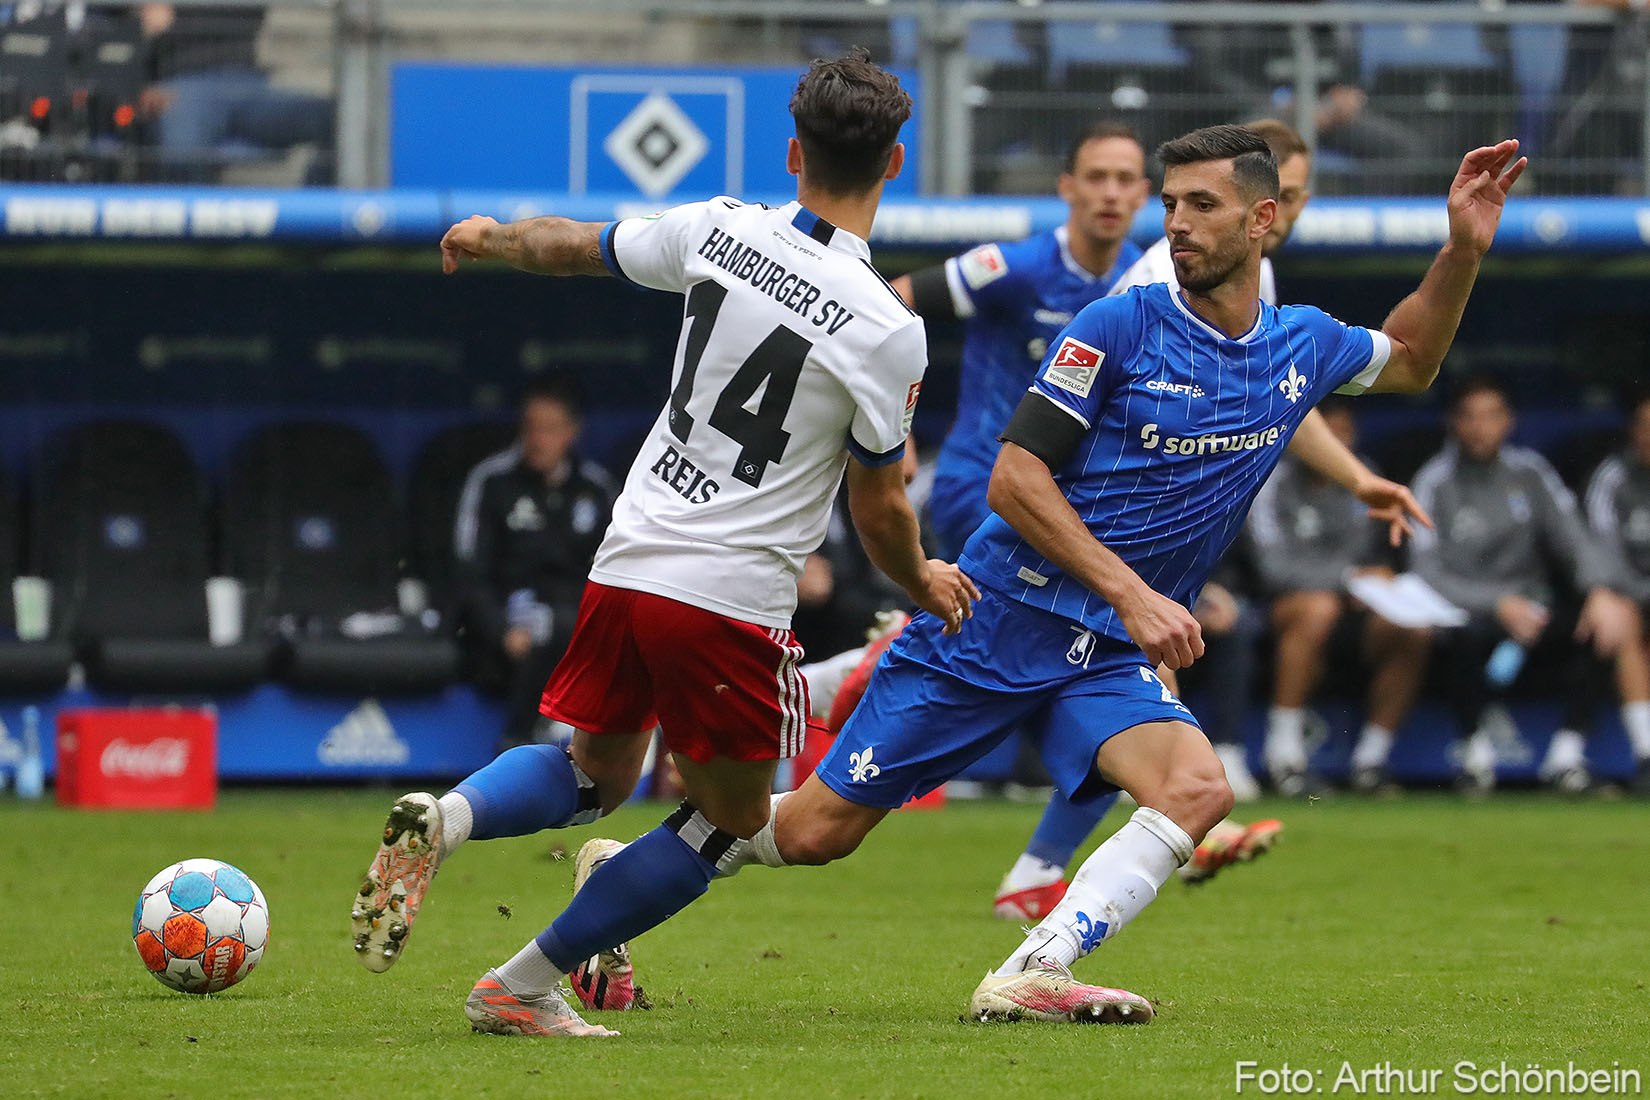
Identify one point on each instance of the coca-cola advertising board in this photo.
(158, 758)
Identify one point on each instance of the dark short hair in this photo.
(560, 388)
(1099, 130)
(1281, 138)
(848, 115)
(1475, 384)
(1254, 169)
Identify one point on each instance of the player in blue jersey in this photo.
(1124, 474)
(1014, 298)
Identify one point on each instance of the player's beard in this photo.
(1218, 266)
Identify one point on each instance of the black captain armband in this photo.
(931, 294)
(1045, 429)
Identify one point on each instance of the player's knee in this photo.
(1201, 798)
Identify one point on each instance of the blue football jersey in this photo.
(1016, 298)
(1183, 425)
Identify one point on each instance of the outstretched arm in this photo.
(1424, 324)
(1389, 502)
(549, 245)
(1024, 493)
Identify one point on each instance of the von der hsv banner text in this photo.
(418, 216)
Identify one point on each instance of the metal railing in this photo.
(1386, 93)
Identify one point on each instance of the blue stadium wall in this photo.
(215, 312)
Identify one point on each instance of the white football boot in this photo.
(393, 891)
(492, 1007)
(1047, 991)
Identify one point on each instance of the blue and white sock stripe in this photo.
(793, 695)
(717, 847)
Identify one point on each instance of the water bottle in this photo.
(1505, 663)
(31, 770)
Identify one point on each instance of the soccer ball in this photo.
(200, 926)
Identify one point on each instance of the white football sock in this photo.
(1374, 746)
(825, 679)
(1110, 889)
(1636, 717)
(1030, 872)
(1567, 749)
(1286, 739)
(530, 971)
(457, 819)
(762, 848)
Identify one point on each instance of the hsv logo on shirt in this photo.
(1074, 366)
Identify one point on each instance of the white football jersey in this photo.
(793, 353)
(1155, 265)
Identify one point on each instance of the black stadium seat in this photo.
(31, 666)
(122, 534)
(311, 524)
(437, 483)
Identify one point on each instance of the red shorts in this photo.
(715, 686)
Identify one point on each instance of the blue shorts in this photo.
(936, 704)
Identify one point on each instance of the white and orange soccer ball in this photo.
(201, 925)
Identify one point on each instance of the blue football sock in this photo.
(640, 888)
(529, 788)
(1064, 826)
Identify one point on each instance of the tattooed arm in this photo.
(549, 245)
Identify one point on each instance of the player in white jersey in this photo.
(795, 362)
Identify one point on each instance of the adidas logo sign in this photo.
(365, 736)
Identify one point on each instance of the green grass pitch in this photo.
(1420, 932)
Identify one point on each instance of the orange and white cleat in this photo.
(1047, 991)
(1228, 843)
(393, 891)
(1030, 904)
(606, 981)
(496, 1010)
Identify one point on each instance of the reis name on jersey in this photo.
(793, 354)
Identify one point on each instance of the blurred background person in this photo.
(1618, 510)
(529, 521)
(1512, 551)
(210, 104)
(1307, 535)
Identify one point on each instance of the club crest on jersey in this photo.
(910, 407)
(1292, 386)
(982, 265)
(1074, 366)
(860, 767)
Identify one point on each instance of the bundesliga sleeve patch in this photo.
(1074, 366)
(910, 408)
(982, 265)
